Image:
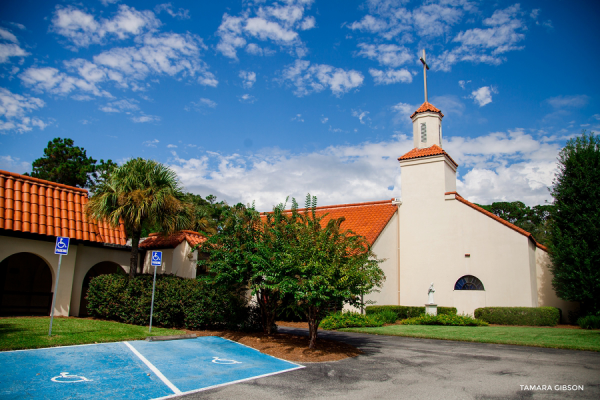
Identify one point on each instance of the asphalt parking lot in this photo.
(409, 368)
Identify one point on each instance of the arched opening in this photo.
(25, 285)
(468, 282)
(102, 268)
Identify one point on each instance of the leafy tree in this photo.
(329, 266)
(575, 224)
(290, 255)
(141, 191)
(68, 164)
(532, 219)
(208, 214)
(101, 173)
(65, 163)
(246, 253)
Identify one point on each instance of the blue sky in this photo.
(260, 100)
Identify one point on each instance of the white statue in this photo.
(430, 293)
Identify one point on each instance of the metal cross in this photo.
(425, 68)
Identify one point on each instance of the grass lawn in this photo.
(32, 332)
(576, 339)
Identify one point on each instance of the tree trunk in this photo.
(313, 326)
(133, 261)
(267, 314)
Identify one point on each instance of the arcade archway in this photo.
(102, 268)
(25, 285)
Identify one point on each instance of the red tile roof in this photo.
(157, 241)
(365, 219)
(47, 208)
(434, 150)
(497, 218)
(427, 106)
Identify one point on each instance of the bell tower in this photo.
(427, 120)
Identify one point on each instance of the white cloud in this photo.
(52, 80)
(576, 101)
(324, 120)
(483, 95)
(361, 115)
(106, 3)
(168, 8)
(318, 77)
(172, 146)
(249, 78)
(389, 55)
(14, 110)
(247, 98)
(463, 84)
(278, 24)
(502, 166)
(14, 164)
(146, 118)
(8, 50)
(403, 112)
(82, 29)
(298, 118)
(7, 35)
(125, 105)
(207, 102)
(390, 76)
(151, 143)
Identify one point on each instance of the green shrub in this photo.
(178, 302)
(340, 320)
(444, 319)
(529, 316)
(589, 322)
(404, 312)
(386, 316)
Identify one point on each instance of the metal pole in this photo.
(425, 74)
(54, 296)
(152, 304)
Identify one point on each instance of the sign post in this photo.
(61, 248)
(156, 262)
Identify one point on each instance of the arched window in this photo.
(468, 282)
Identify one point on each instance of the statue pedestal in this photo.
(431, 309)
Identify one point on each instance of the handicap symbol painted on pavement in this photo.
(64, 377)
(218, 360)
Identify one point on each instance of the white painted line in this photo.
(154, 369)
(228, 383)
(281, 359)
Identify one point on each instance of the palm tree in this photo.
(141, 191)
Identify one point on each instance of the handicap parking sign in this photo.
(156, 259)
(62, 246)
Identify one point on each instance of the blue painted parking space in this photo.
(135, 369)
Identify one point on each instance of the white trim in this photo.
(154, 369)
(230, 383)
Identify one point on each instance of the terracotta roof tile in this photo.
(497, 218)
(427, 106)
(434, 150)
(47, 208)
(157, 241)
(365, 219)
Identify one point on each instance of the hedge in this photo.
(339, 320)
(178, 302)
(445, 319)
(529, 316)
(405, 312)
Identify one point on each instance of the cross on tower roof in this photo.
(425, 68)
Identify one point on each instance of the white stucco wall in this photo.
(386, 247)
(437, 231)
(73, 268)
(175, 261)
(87, 257)
(546, 295)
(433, 123)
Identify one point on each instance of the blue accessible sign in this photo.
(62, 246)
(156, 259)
